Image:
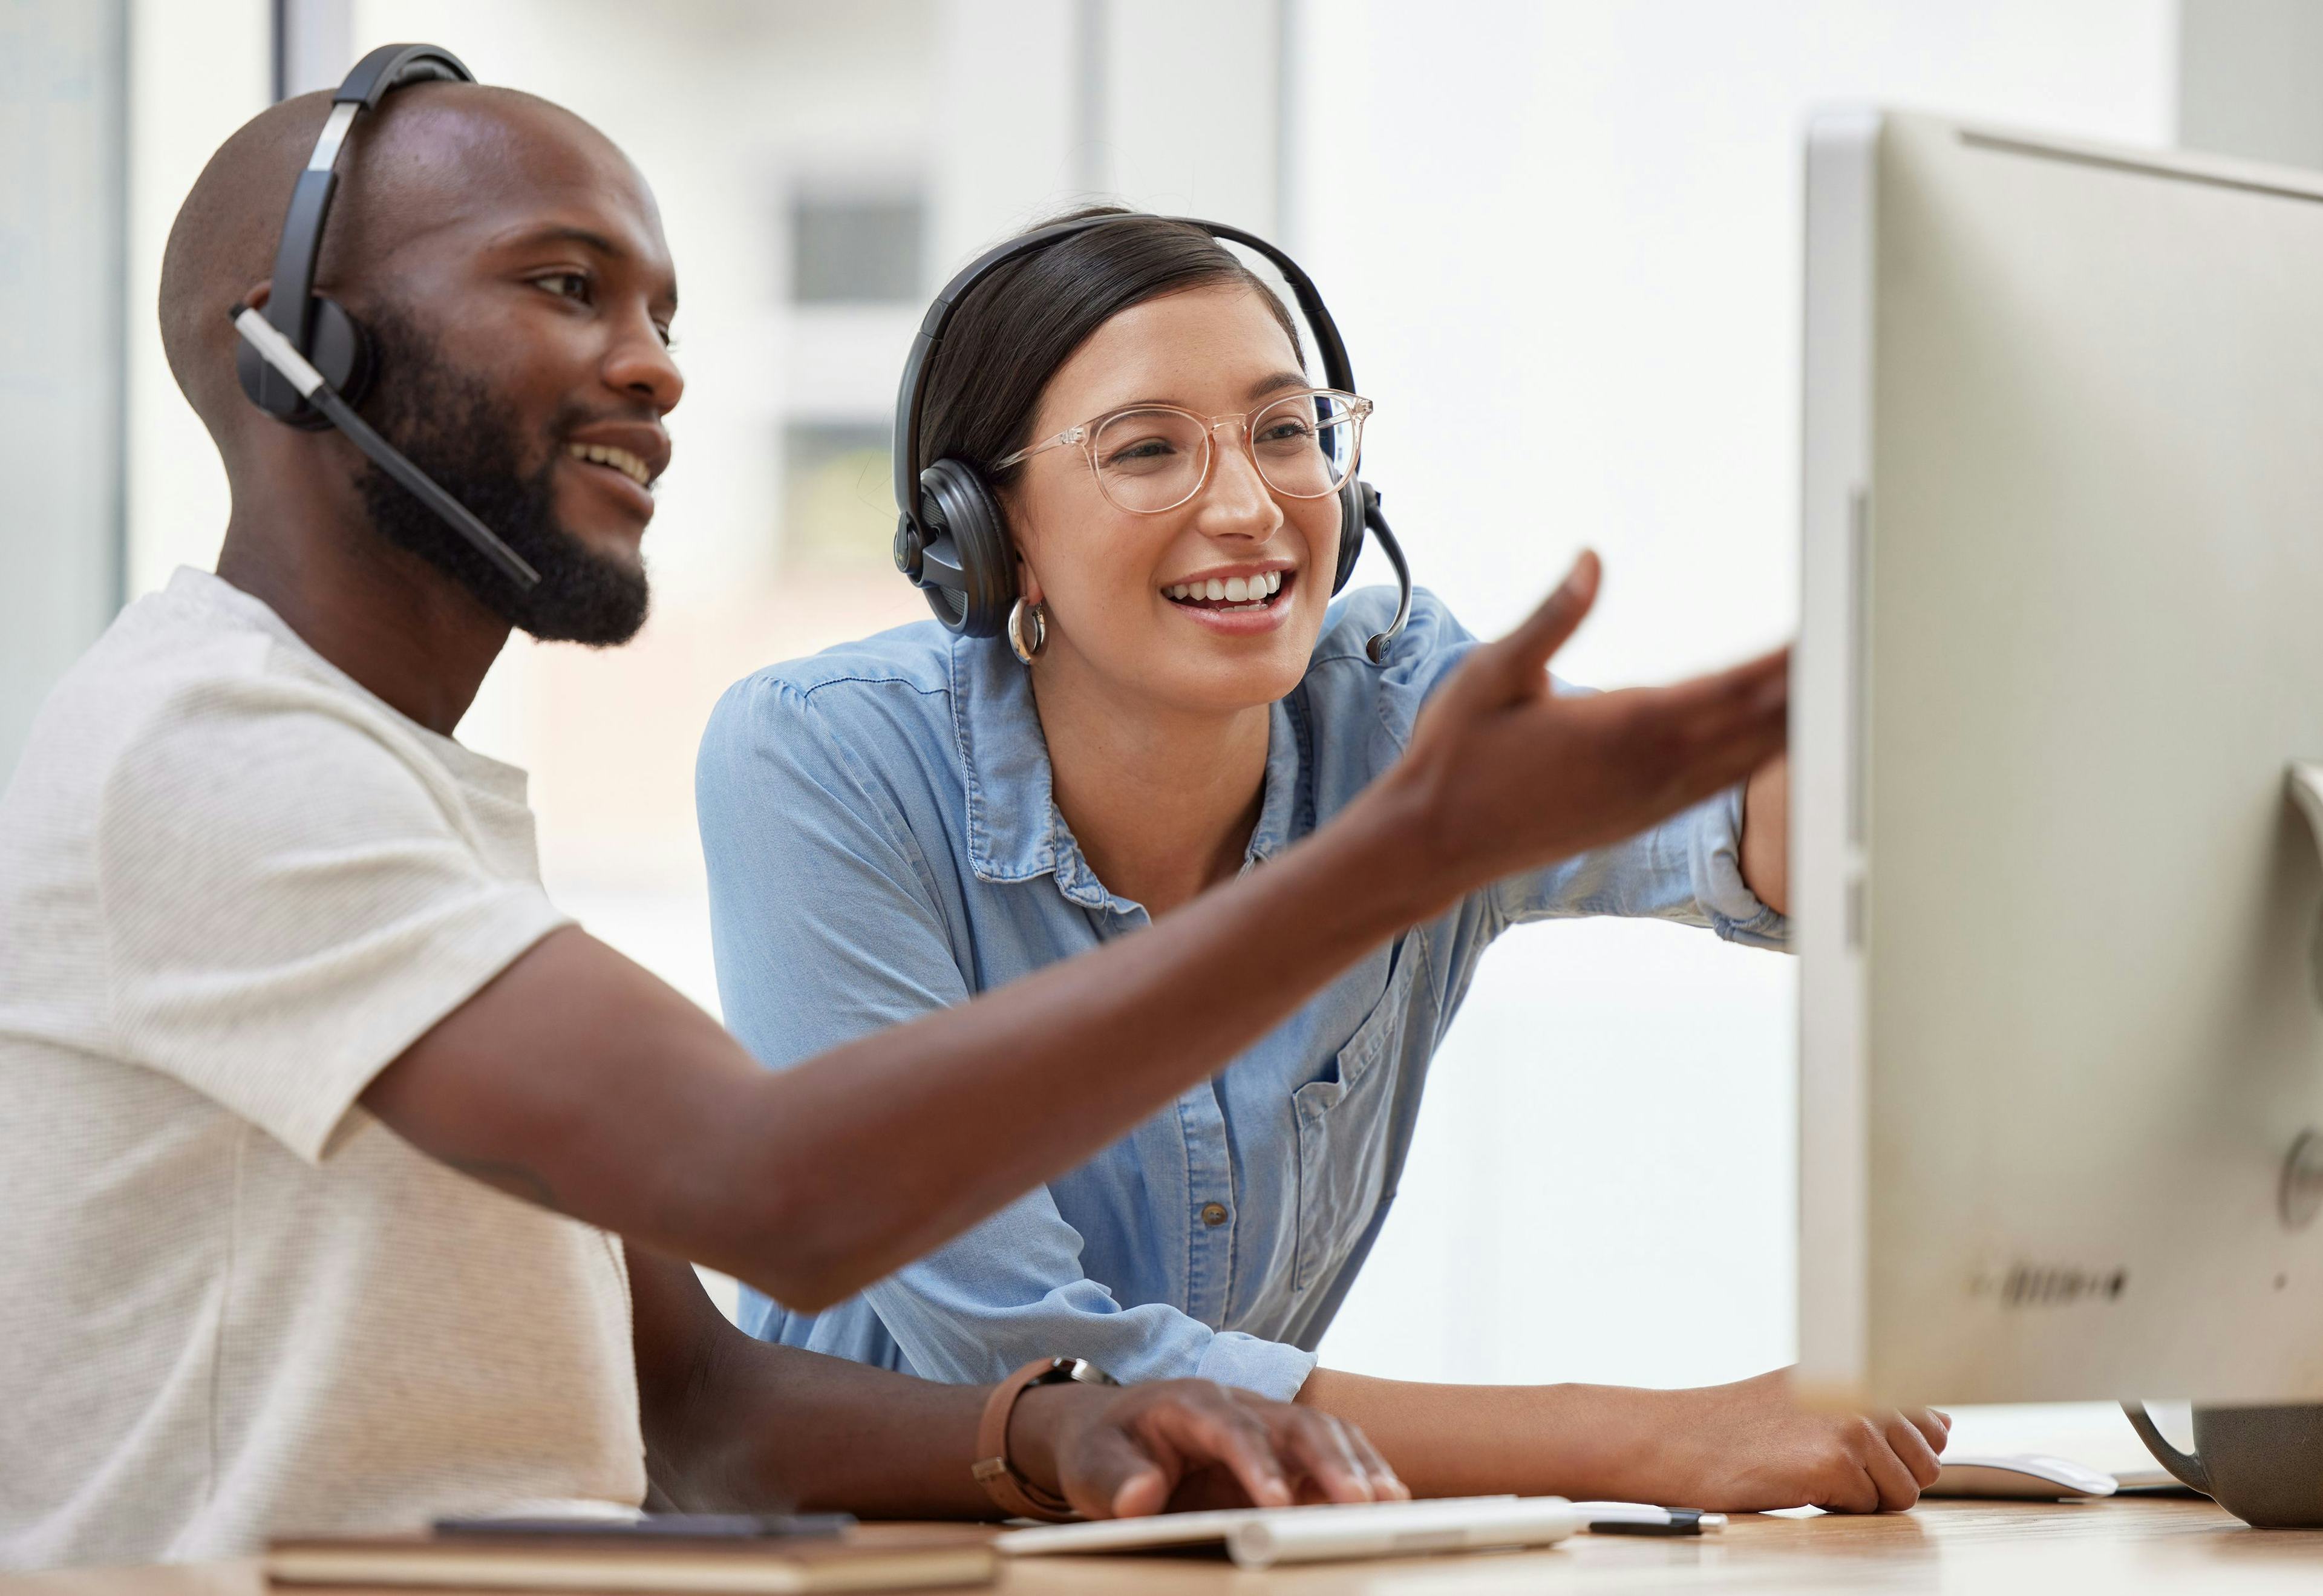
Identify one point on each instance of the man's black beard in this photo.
(450, 425)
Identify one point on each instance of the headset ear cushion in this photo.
(340, 350)
(968, 533)
(1351, 531)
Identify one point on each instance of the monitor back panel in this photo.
(2063, 630)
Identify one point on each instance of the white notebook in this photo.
(1260, 1537)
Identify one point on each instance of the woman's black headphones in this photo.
(951, 536)
(303, 360)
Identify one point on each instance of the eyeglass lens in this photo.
(1304, 446)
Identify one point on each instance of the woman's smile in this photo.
(1239, 602)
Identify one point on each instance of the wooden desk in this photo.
(2128, 1545)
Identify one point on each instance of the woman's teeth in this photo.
(621, 460)
(1250, 593)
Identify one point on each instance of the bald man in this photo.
(347, 1181)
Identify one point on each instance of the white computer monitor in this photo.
(2061, 635)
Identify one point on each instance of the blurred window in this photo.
(857, 249)
(839, 511)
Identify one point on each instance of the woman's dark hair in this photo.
(1020, 324)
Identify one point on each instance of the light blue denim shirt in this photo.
(882, 841)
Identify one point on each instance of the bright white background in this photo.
(1563, 242)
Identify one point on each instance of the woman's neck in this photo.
(1162, 804)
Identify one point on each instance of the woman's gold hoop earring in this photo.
(1025, 652)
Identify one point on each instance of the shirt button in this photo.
(1214, 1213)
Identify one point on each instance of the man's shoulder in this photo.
(194, 680)
(135, 711)
(158, 652)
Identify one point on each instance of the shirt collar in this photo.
(1015, 832)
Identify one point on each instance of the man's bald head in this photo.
(508, 265)
(428, 154)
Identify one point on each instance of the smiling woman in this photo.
(899, 824)
(1151, 475)
(1149, 459)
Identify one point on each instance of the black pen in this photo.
(1641, 1518)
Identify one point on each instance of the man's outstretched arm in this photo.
(578, 1080)
(737, 1424)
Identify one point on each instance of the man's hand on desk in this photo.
(733, 1424)
(1184, 1444)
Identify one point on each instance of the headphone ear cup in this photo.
(1351, 531)
(341, 350)
(969, 568)
(338, 348)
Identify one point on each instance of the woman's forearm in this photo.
(1581, 1441)
(1744, 1447)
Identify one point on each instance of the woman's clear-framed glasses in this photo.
(1150, 458)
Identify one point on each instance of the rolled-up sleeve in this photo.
(1012, 1289)
(1269, 1368)
(1688, 869)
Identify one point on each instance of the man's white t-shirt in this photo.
(233, 886)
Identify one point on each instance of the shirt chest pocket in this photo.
(1344, 1130)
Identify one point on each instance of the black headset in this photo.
(305, 359)
(951, 536)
